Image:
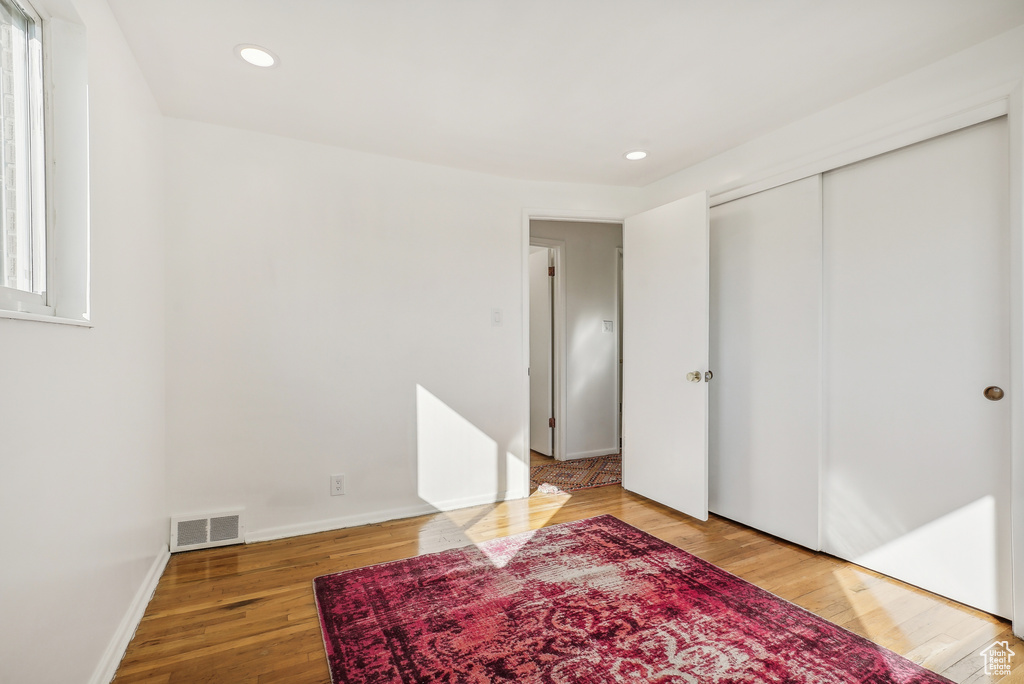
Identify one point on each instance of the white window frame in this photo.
(66, 140)
(35, 171)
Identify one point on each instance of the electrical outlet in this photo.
(337, 485)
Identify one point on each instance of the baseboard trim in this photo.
(372, 517)
(107, 667)
(299, 529)
(589, 454)
(466, 502)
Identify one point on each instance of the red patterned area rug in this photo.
(581, 473)
(592, 602)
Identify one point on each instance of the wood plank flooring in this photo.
(245, 614)
(536, 459)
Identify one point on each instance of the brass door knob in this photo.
(694, 376)
(708, 376)
(993, 393)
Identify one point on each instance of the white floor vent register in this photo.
(205, 531)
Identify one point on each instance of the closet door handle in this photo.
(993, 393)
(708, 376)
(694, 376)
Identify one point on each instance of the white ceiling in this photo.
(541, 89)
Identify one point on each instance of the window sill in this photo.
(44, 318)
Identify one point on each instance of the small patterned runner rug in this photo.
(582, 473)
(588, 602)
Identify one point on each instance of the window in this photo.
(23, 260)
(44, 206)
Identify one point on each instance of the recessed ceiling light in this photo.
(635, 155)
(256, 55)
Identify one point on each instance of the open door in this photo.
(665, 355)
(541, 404)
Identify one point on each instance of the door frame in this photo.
(617, 407)
(559, 366)
(558, 375)
(1015, 119)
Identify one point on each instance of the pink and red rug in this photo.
(581, 473)
(594, 601)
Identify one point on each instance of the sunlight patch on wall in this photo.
(517, 476)
(956, 555)
(461, 472)
(457, 463)
(855, 526)
(953, 556)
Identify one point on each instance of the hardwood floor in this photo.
(245, 614)
(537, 458)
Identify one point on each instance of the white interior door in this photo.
(665, 337)
(917, 276)
(541, 409)
(765, 400)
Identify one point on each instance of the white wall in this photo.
(331, 314)
(591, 298)
(82, 482)
(985, 71)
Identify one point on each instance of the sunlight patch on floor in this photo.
(868, 602)
(503, 551)
(477, 524)
(496, 523)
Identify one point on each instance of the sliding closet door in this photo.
(917, 470)
(765, 399)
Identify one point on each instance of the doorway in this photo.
(581, 410)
